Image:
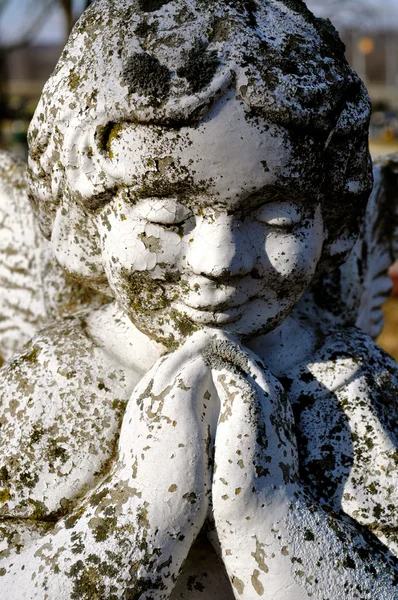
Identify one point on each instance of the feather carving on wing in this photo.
(354, 292)
(33, 288)
(22, 309)
(376, 249)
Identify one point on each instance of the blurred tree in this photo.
(36, 21)
(68, 13)
(34, 16)
(361, 15)
(3, 4)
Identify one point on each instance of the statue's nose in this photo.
(219, 248)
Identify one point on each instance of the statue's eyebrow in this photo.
(167, 189)
(273, 192)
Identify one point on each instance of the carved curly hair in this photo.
(167, 63)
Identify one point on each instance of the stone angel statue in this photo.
(193, 265)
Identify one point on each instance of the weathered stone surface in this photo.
(196, 415)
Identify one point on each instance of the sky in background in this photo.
(18, 13)
(383, 14)
(364, 14)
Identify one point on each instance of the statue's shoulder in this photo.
(62, 401)
(349, 379)
(345, 401)
(345, 354)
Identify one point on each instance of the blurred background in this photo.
(369, 29)
(33, 33)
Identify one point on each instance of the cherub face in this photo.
(216, 225)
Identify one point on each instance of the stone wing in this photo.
(33, 287)
(364, 276)
(22, 309)
(353, 294)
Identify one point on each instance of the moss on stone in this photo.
(145, 76)
(37, 434)
(249, 6)
(144, 28)
(113, 135)
(74, 79)
(40, 512)
(309, 535)
(222, 354)
(200, 66)
(105, 135)
(145, 294)
(184, 325)
(4, 475)
(104, 528)
(71, 521)
(87, 583)
(31, 356)
(4, 495)
(98, 201)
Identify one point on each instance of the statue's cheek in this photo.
(139, 246)
(289, 257)
(295, 256)
(123, 247)
(76, 245)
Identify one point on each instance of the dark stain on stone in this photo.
(307, 377)
(98, 201)
(286, 382)
(151, 5)
(300, 7)
(250, 6)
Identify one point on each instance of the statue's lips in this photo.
(212, 296)
(212, 315)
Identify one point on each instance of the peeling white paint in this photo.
(181, 167)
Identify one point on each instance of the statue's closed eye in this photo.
(281, 215)
(163, 211)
